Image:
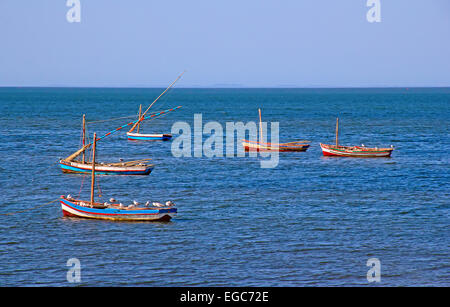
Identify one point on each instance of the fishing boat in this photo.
(114, 211)
(262, 146)
(354, 151)
(259, 146)
(137, 136)
(72, 165)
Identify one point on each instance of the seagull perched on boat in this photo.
(147, 203)
(120, 159)
(155, 204)
(112, 200)
(135, 203)
(169, 203)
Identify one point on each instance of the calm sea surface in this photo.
(311, 221)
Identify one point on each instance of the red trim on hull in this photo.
(248, 148)
(68, 214)
(367, 153)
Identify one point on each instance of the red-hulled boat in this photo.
(354, 151)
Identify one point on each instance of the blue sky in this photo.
(245, 43)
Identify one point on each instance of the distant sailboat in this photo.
(354, 151)
(262, 146)
(137, 136)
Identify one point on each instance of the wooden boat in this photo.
(354, 151)
(115, 212)
(258, 146)
(148, 137)
(137, 136)
(262, 146)
(70, 165)
(138, 167)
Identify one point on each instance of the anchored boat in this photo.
(262, 146)
(114, 211)
(259, 146)
(354, 151)
(137, 136)
(71, 165)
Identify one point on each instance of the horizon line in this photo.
(228, 87)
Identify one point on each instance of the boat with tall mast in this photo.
(137, 136)
(72, 165)
(263, 146)
(114, 211)
(362, 151)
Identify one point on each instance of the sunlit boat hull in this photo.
(355, 151)
(148, 137)
(71, 208)
(257, 146)
(79, 167)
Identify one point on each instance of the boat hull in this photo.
(148, 137)
(72, 209)
(355, 151)
(78, 167)
(255, 146)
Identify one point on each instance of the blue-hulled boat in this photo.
(136, 136)
(71, 165)
(148, 137)
(139, 167)
(115, 212)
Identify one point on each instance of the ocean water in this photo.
(310, 221)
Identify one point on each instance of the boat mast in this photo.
(84, 135)
(260, 128)
(139, 116)
(142, 116)
(93, 169)
(337, 130)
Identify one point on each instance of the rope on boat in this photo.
(29, 209)
(111, 119)
(82, 181)
(136, 121)
(107, 120)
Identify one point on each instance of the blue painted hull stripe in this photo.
(80, 170)
(117, 212)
